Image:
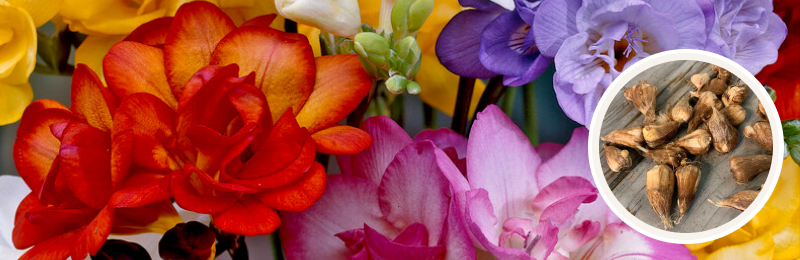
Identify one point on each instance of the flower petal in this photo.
(151, 123)
(341, 139)
(36, 148)
(297, 196)
(188, 197)
(501, 160)
(283, 64)
(619, 241)
(286, 142)
(248, 217)
(547, 151)
(389, 139)
(555, 21)
(458, 46)
(571, 160)
(380, 247)
(341, 84)
(261, 21)
(557, 202)
(444, 138)
(194, 32)
(414, 189)
(153, 33)
(482, 224)
(85, 161)
(91, 100)
(508, 48)
(93, 49)
(93, 236)
(131, 67)
(140, 189)
(347, 203)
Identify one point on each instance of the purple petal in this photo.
(348, 203)
(508, 48)
(380, 247)
(501, 160)
(554, 23)
(558, 201)
(619, 241)
(414, 189)
(527, 9)
(708, 13)
(576, 66)
(459, 43)
(444, 138)
(482, 223)
(482, 5)
(578, 107)
(572, 160)
(388, 139)
(547, 151)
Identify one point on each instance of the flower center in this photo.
(634, 40)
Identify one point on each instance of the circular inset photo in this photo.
(686, 146)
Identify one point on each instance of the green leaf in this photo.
(791, 127)
(794, 151)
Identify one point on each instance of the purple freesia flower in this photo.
(392, 201)
(748, 32)
(525, 202)
(493, 39)
(593, 41)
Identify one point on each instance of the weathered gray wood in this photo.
(716, 181)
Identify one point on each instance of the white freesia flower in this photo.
(339, 17)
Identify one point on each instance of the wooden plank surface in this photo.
(716, 181)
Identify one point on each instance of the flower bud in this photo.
(339, 17)
(409, 15)
(413, 87)
(371, 46)
(193, 240)
(396, 84)
(409, 55)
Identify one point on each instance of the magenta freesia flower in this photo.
(523, 202)
(392, 201)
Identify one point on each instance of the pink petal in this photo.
(414, 189)
(444, 138)
(456, 237)
(572, 160)
(501, 160)
(579, 235)
(481, 221)
(548, 238)
(619, 241)
(413, 235)
(548, 150)
(388, 139)
(348, 203)
(380, 247)
(558, 201)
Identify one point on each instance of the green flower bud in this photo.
(413, 87)
(371, 46)
(409, 54)
(409, 15)
(396, 84)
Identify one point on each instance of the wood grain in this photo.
(716, 181)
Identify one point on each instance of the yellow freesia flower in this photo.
(774, 233)
(40, 10)
(439, 86)
(17, 60)
(107, 22)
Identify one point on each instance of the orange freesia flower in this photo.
(235, 115)
(79, 177)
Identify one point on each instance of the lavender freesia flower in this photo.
(392, 201)
(493, 39)
(747, 31)
(523, 202)
(593, 41)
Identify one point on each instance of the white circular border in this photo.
(619, 209)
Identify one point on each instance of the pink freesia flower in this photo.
(523, 202)
(392, 201)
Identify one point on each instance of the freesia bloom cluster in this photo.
(591, 42)
(439, 195)
(225, 120)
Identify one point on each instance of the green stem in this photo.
(429, 115)
(507, 101)
(463, 100)
(356, 117)
(385, 16)
(276, 244)
(494, 90)
(396, 109)
(531, 120)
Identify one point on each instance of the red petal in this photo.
(154, 217)
(283, 146)
(36, 148)
(91, 238)
(248, 217)
(153, 33)
(25, 232)
(260, 21)
(53, 248)
(299, 195)
(252, 105)
(283, 176)
(149, 122)
(341, 84)
(341, 139)
(85, 161)
(189, 198)
(142, 188)
(131, 67)
(40, 105)
(283, 63)
(91, 100)
(195, 30)
(121, 155)
(215, 151)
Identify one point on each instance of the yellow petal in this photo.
(242, 10)
(701, 254)
(695, 247)
(784, 201)
(313, 37)
(92, 50)
(17, 45)
(787, 241)
(13, 100)
(740, 236)
(40, 10)
(114, 17)
(760, 248)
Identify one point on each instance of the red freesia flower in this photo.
(234, 115)
(78, 175)
(782, 75)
